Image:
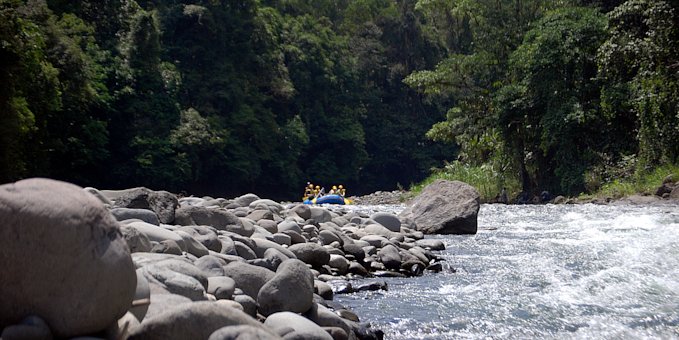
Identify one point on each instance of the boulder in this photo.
(221, 287)
(142, 296)
(196, 320)
(249, 278)
(281, 321)
(311, 253)
(148, 216)
(55, 232)
(218, 218)
(301, 210)
(30, 328)
(389, 221)
(291, 289)
(167, 247)
(174, 282)
(160, 303)
(192, 245)
(248, 304)
(205, 235)
(390, 257)
(245, 200)
(136, 240)
(211, 265)
(431, 243)
(243, 333)
(444, 207)
(320, 215)
(158, 234)
(339, 262)
(162, 203)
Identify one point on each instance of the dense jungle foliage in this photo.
(223, 97)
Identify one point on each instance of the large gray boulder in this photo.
(291, 289)
(444, 207)
(220, 219)
(197, 320)
(58, 241)
(248, 278)
(243, 333)
(282, 321)
(311, 253)
(163, 203)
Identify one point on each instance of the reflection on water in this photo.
(552, 271)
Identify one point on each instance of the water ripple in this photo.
(553, 271)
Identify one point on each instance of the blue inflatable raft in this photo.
(328, 199)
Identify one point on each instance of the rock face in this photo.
(162, 203)
(57, 242)
(291, 289)
(445, 207)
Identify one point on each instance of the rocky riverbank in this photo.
(143, 264)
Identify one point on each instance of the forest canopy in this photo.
(223, 97)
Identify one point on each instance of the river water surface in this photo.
(547, 271)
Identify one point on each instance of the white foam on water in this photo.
(535, 272)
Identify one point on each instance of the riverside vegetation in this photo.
(571, 96)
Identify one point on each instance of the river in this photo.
(543, 271)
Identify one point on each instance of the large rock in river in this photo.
(63, 258)
(445, 207)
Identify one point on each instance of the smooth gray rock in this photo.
(354, 250)
(218, 218)
(340, 263)
(257, 215)
(269, 225)
(221, 287)
(161, 303)
(275, 257)
(320, 215)
(174, 282)
(311, 253)
(281, 321)
(211, 265)
(295, 237)
(196, 320)
(444, 207)
(135, 239)
(431, 243)
(289, 225)
(282, 239)
(167, 247)
(245, 200)
(30, 328)
(248, 304)
(244, 251)
(249, 278)
(148, 216)
(388, 220)
(55, 232)
(97, 193)
(142, 296)
(205, 235)
(302, 210)
(261, 245)
(378, 229)
(291, 289)
(328, 237)
(163, 203)
(243, 333)
(228, 247)
(158, 234)
(390, 257)
(192, 245)
(323, 290)
(324, 317)
(184, 266)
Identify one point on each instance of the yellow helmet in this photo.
(340, 186)
(318, 187)
(311, 186)
(334, 187)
